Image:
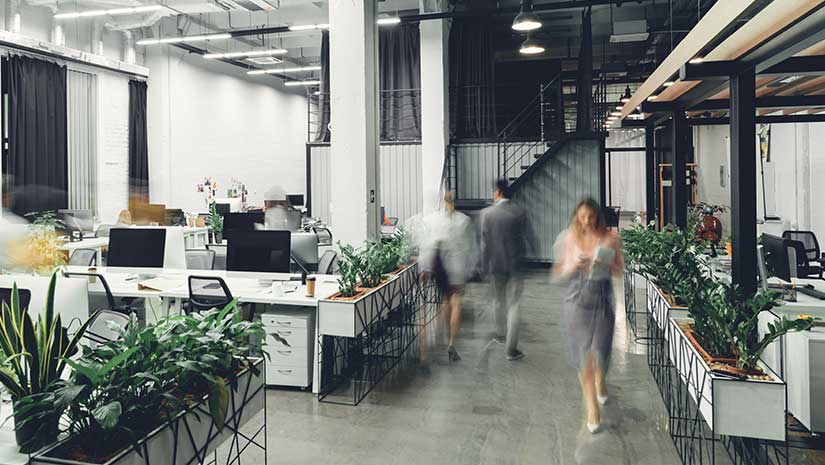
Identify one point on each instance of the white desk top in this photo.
(88, 243)
(264, 288)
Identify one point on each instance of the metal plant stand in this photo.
(352, 366)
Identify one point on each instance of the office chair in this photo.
(110, 299)
(206, 293)
(103, 230)
(83, 257)
(220, 256)
(324, 235)
(100, 330)
(200, 259)
(804, 267)
(808, 239)
(24, 295)
(326, 265)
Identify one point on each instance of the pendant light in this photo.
(531, 46)
(526, 20)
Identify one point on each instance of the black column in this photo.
(680, 146)
(743, 178)
(650, 172)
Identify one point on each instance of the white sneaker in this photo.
(602, 399)
(593, 427)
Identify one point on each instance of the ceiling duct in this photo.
(629, 31)
(136, 22)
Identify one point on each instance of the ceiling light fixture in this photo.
(248, 54)
(388, 20)
(308, 27)
(651, 98)
(531, 46)
(284, 70)
(696, 60)
(526, 20)
(616, 114)
(668, 84)
(626, 96)
(179, 39)
(112, 12)
(314, 82)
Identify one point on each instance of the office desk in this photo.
(96, 243)
(245, 286)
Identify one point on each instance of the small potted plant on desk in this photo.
(215, 224)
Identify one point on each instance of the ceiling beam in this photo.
(781, 102)
(722, 70)
(768, 119)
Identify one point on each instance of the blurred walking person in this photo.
(504, 241)
(588, 254)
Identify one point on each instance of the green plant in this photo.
(349, 267)
(35, 356)
(214, 221)
(47, 219)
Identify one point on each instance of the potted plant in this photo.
(215, 223)
(35, 356)
(39, 249)
(170, 386)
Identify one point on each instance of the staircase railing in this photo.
(538, 125)
(601, 106)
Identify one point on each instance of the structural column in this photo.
(434, 109)
(650, 173)
(743, 179)
(353, 37)
(679, 147)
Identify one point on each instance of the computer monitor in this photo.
(777, 257)
(305, 249)
(136, 247)
(236, 222)
(295, 200)
(222, 208)
(260, 251)
(761, 269)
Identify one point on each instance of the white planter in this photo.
(731, 407)
(661, 309)
(348, 318)
(192, 430)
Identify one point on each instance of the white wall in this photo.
(626, 171)
(209, 119)
(793, 177)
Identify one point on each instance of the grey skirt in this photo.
(589, 321)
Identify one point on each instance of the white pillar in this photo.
(353, 49)
(96, 45)
(129, 47)
(57, 37)
(13, 16)
(434, 109)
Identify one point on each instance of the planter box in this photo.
(731, 407)
(348, 318)
(661, 309)
(190, 437)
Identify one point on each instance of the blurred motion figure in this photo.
(588, 254)
(504, 242)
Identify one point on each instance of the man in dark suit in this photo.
(504, 242)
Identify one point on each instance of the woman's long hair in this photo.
(601, 224)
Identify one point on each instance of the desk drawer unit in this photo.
(289, 343)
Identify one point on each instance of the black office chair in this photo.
(24, 296)
(200, 259)
(808, 239)
(326, 265)
(110, 299)
(83, 257)
(804, 267)
(101, 330)
(220, 256)
(206, 293)
(324, 235)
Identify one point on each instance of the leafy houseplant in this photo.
(123, 389)
(349, 267)
(215, 223)
(35, 356)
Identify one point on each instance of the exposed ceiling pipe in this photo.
(96, 4)
(136, 22)
(96, 47)
(12, 15)
(57, 35)
(129, 47)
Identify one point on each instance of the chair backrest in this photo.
(809, 242)
(220, 256)
(24, 295)
(110, 299)
(103, 229)
(393, 221)
(207, 292)
(100, 329)
(801, 253)
(200, 259)
(83, 257)
(324, 235)
(327, 262)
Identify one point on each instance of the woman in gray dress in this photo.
(588, 255)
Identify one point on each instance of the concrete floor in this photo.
(483, 409)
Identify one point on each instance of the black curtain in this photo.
(138, 148)
(584, 83)
(472, 79)
(399, 74)
(322, 131)
(38, 150)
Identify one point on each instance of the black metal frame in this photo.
(392, 323)
(238, 441)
